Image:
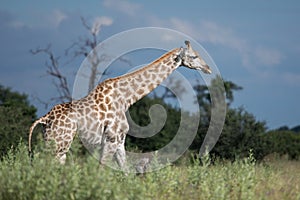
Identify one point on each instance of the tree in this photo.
(241, 131)
(84, 46)
(282, 142)
(139, 113)
(60, 80)
(296, 129)
(220, 88)
(16, 116)
(230, 87)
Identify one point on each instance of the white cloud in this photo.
(267, 56)
(16, 24)
(184, 26)
(99, 22)
(56, 17)
(123, 6)
(291, 78)
(51, 19)
(207, 31)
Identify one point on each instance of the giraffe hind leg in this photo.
(62, 149)
(62, 158)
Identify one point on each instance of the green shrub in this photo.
(83, 178)
(16, 116)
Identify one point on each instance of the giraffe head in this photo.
(192, 59)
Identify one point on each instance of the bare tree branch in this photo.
(84, 46)
(60, 81)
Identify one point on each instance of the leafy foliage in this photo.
(82, 178)
(16, 115)
(139, 114)
(282, 143)
(241, 133)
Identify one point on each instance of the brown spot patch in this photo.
(122, 136)
(100, 88)
(127, 94)
(68, 125)
(109, 87)
(151, 87)
(109, 106)
(169, 63)
(106, 91)
(116, 105)
(141, 91)
(103, 107)
(107, 100)
(164, 57)
(139, 78)
(134, 86)
(61, 123)
(102, 115)
(162, 76)
(110, 115)
(95, 108)
(94, 115)
(123, 84)
(134, 98)
(146, 74)
(115, 84)
(87, 110)
(123, 89)
(115, 94)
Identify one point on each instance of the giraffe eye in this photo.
(177, 59)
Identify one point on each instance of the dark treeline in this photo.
(241, 132)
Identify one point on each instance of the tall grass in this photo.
(82, 178)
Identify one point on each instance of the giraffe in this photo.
(99, 118)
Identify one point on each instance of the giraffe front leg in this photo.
(108, 150)
(113, 150)
(121, 156)
(121, 159)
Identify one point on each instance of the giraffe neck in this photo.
(137, 84)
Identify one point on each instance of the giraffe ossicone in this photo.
(99, 118)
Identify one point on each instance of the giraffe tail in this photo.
(40, 120)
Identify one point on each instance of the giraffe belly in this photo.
(91, 139)
(91, 133)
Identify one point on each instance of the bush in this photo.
(282, 143)
(82, 178)
(16, 116)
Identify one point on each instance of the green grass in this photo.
(82, 178)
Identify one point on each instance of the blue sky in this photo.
(255, 44)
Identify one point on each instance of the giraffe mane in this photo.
(166, 55)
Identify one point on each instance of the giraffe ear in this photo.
(188, 44)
